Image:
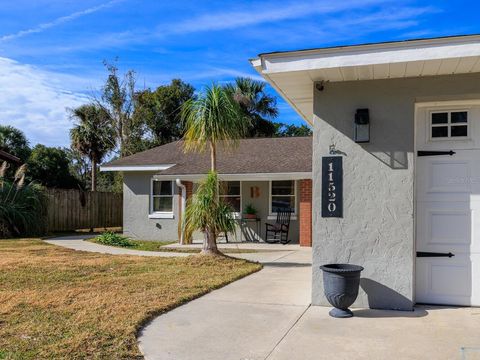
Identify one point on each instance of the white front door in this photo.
(448, 204)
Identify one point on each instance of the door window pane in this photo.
(459, 117)
(440, 118)
(459, 131)
(439, 131)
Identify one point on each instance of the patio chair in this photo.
(279, 230)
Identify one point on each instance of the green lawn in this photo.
(59, 303)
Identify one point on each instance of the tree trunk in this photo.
(210, 243)
(213, 156)
(94, 175)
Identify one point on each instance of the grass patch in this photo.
(60, 303)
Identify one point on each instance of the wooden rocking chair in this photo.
(279, 229)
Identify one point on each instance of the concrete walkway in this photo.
(77, 242)
(244, 320)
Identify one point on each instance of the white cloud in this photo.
(266, 14)
(35, 101)
(58, 21)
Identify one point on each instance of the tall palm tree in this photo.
(210, 118)
(256, 105)
(92, 136)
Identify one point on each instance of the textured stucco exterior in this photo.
(136, 209)
(377, 229)
(138, 225)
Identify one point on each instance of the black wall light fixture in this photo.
(361, 133)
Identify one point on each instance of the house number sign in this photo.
(332, 186)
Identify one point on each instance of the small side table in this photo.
(244, 222)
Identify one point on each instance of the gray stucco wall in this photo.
(377, 230)
(136, 206)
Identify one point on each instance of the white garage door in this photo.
(448, 204)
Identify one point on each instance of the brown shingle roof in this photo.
(9, 157)
(257, 155)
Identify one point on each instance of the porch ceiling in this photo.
(294, 73)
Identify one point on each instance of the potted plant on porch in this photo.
(250, 212)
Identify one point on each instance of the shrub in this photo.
(113, 239)
(22, 206)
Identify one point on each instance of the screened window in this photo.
(230, 193)
(282, 196)
(162, 196)
(449, 124)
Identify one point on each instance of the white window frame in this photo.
(235, 213)
(448, 124)
(161, 214)
(273, 215)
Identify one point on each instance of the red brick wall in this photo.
(305, 215)
(188, 188)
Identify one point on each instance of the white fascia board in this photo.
(243, 177)
(159, 167)
(257, 64)
(370, 55)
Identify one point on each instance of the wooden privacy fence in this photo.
(75, 209)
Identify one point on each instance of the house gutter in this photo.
(182, 210)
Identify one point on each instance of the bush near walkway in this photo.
(59, 303)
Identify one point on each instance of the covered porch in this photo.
(257, 199)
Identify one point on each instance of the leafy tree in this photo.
(285, 130)
(256, 105)
(92, 136)
(14, 141)
(160, 109)
(209, 119)
(49, 166)
(118, 99)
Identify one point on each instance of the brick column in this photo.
(305, 215)
(188, 188)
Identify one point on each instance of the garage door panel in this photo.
(443, 227)
(448, 176)
(439, 280)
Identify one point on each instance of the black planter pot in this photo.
(341, 283)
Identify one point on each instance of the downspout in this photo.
(182, 210)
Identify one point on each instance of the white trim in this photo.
(272, 215)
(160, 214)
(160, 167)
(240, 177)
(372, 54)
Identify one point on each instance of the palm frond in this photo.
(211, 118)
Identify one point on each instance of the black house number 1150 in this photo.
(332, 186)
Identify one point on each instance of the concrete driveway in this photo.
(267, 316)
(244, 320)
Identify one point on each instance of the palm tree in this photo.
(92, 136)
(256, 105)
(210, 118)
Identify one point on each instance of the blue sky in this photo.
(51, 51)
